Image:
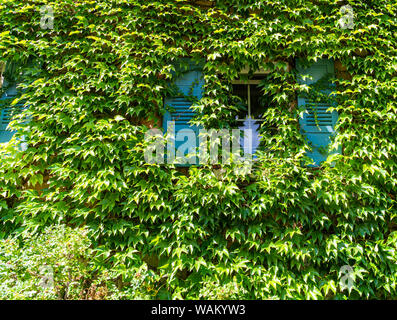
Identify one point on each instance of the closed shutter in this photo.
(179, 111)
(6, 114)
(317, 123)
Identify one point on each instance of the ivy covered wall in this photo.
(96, 82)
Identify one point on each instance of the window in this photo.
(253, 106)
(317, 123)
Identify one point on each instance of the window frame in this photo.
(249, 83)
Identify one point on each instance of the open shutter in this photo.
(179, 111)
(318, 124)
(6, 114)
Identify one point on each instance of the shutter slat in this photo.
(318, 114)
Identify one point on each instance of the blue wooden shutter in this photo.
(318, 124)
(179, 107)
(6, 114)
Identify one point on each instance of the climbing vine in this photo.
(96, 84)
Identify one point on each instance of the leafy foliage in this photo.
(282, 232)
(60, 264)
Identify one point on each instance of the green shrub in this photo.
(53, 265)
(59, 264)
(287, 230)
